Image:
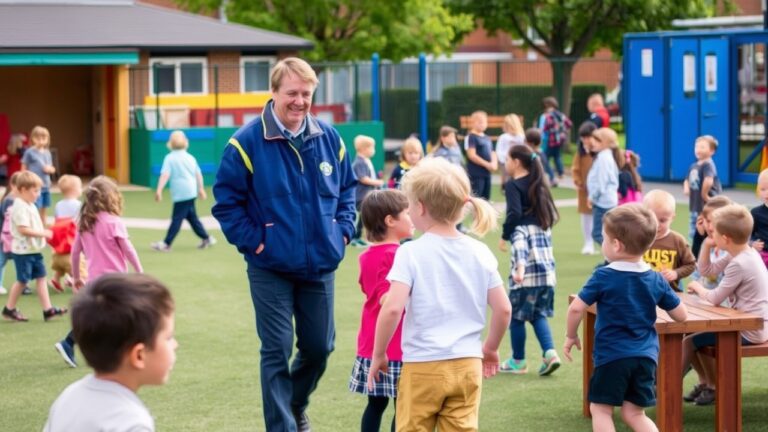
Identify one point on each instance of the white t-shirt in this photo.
(25, 214)
(67, 208)
(449, 278)
(504, 143)
(94, 405)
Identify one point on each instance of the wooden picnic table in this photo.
(702, 317)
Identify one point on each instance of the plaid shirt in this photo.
(556, 127)
(532, 247)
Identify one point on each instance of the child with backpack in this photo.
(555, 127)
(6, 237)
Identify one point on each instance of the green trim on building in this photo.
(68, 59)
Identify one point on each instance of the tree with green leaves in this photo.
(570, 29)
(353, 29)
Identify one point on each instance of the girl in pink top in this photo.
(103, 238)
(385, 217)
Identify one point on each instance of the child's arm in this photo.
(501, 313)
(77, 249)
(368, 181)
(29, 232)
(477, 160)
(706, 185)
(733, 277)
(130, 253)
(573, 319)
(161, 182)
(389, 316)
(705, 266)
(679, 314)
(686, 188)
(687, 263)
(519, 256)
(200, 185)
(494, 162)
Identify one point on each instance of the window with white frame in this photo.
(178, 75)
(255, 73)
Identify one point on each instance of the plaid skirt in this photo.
(387, 384)
(531, 303)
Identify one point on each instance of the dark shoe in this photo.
(67, 352)
(707, 397)
(13, 315)
(205, 244)
(690, 397)
(302, 421)
(53, 312)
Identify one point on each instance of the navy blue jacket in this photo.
(298, 201)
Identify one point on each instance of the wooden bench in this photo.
(494, 122)
(760, 350)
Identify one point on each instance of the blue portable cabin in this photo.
(679, 85)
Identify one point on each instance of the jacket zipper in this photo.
(295, 150)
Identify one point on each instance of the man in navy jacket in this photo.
(285, 197)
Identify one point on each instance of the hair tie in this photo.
(534, 155)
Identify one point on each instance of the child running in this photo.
(626, 346)
(125, 327)
(38, 159)
(29, 236)
(6, 237)
(531, 213)
(103, 238)
(385, 217)
(64, 229)
(186, 183)
(444, 280)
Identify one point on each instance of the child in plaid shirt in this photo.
(385, 216)
(531, 213)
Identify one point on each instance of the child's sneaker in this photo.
(53, 312)
(550, 363)
(3, 291)
(67, 352)
(205, 244)
(56, 286)
(26, 291)
(517, 367)
(13, 315)
(160, 246)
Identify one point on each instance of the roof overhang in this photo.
(67, 57)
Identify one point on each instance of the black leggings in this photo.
(372, 415)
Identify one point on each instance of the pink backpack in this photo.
(6, 236)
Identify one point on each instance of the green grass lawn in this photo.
(215, 383)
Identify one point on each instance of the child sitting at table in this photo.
(744, 281)
(626, 346)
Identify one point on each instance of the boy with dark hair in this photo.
(701, 183)
(626, 346)
(124, 325)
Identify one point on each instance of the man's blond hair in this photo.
(292, 66)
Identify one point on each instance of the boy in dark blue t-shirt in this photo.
(626, 348)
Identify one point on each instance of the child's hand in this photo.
(48, 234)
(569, 343)
(78, 285)
(158, 196)
(708, 242)
(503, 245)
(589, 204)
(378, 364)
(490, 362)
(202, 195)
(49, 169)
(758, 245)
(519, 274)
(669, 275)
(700, 225)
(694, 287)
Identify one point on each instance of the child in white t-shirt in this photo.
(444, 280)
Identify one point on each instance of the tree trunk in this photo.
(562, 69)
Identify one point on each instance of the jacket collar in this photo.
(272, 130)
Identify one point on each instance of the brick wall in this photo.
(229, 71)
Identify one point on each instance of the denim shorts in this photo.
(710, 339)
(29, 267)
(44, 200)
(631, 379)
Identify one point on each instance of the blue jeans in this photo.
(597, 223)
(517, 334)
(692, 224)
(278, 299)
(553, 153)
(184, 210)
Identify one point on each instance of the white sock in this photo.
(586, 229)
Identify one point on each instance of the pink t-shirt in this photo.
(375, 264)
(106, 247)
